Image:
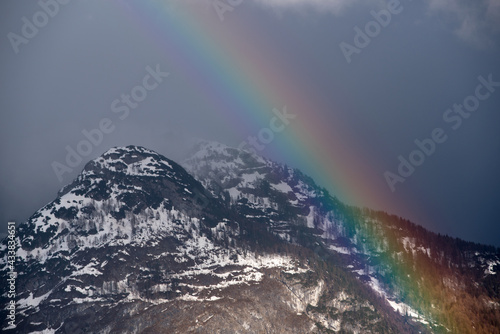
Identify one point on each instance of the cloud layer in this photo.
(335, 6)
(476, 22)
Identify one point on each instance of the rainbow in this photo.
(224, 63)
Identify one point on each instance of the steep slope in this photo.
(136, 244)
(446, 283)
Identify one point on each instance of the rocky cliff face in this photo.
(236, 244)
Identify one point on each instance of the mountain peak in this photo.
(128, 150)
(130, 160)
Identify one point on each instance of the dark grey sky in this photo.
(395, 90)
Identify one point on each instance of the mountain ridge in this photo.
(233, 219)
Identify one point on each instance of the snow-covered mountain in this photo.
(418, 273)
(235, 243)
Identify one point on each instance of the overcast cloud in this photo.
(476, 22)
